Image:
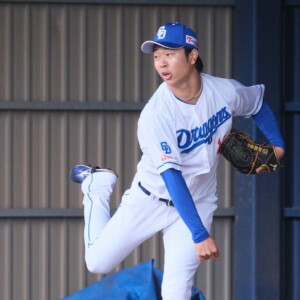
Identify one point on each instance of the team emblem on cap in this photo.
(161, 33)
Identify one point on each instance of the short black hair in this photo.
(199, 62)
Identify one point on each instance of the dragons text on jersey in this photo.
(189, 140)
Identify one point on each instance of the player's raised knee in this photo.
(98, 266)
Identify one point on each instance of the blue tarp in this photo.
(141, 282)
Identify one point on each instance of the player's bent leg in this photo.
(97, 189)
(137, 219)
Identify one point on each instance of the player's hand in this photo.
(207, 249)
(279, 153)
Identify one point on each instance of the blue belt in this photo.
(167, 201)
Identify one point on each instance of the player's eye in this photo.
(155, 57)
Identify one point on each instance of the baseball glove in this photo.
(246, 155)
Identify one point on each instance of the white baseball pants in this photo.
(109, 240)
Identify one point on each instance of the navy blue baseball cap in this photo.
(172, 36)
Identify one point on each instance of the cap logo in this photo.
(161, 33)
(191, 40)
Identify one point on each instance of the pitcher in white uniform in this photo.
(175, 188)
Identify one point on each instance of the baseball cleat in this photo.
(80, 172)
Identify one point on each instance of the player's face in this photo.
(173, 66)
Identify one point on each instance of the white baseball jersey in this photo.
(186, 137)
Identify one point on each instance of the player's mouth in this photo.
(166, 75)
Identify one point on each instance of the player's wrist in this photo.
(200, 237)
(279, 151)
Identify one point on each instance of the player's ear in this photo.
(193, 56)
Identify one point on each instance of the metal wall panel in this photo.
(64, 53)
(291, 201)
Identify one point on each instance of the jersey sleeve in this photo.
(184, 204)
(157, 138)
(247, 100)
(267, 123)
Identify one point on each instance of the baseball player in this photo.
(175, 187)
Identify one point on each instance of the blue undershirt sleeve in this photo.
(267, 123)
(184, 204)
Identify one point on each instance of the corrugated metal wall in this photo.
(291, 201)
(72, 82)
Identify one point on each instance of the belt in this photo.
(167, 201)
